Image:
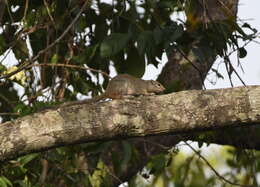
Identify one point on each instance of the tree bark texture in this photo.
(185, 111)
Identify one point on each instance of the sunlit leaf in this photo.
(54, 59)
(2, 183)
(6, 181)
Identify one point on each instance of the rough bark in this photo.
(184, 71)
(185, 111)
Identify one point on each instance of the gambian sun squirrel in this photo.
(124, 86)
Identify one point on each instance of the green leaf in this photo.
(158, 35)
(2, 67)
(158, 164)
(2, 45)
(127, 151)
(176, 32)
(82, 24)
(167, 35)
(169, 4)
(134, 64)
(242, 52)
(6, 180)
(26, 159)
(87, 55)
(113, 44)
(23, 183)
(145, 42)
(200, 144)
(54, 59)
(101, 28)
(90, 52)
(2, 182)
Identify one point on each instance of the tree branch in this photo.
(176, 113)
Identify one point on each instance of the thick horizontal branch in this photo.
(141, 116)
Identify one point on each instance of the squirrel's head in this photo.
(154, 86)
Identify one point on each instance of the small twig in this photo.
(49, 12)
(234, 50)
(231, 66)
(187, 167)
(213, 169)
(229, 72)
(25, 9)
(40, 92)
(227, 9)
(165, 148)
(7, 114)
(70, 66)
(9, 12)
(45, 167)
(5, 56)
(25, 65)
(114, 176)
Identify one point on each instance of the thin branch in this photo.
(165, 148)
(213, 169)
(114, 176)
(227, 9)
(9, 12)
(45, 167)
(9, 114)
(70, 66)
(25, 65)
(231, 66)
(49, 12)
(25, 9)
(229, 72)
(5, 55)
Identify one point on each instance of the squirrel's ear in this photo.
(156, 83)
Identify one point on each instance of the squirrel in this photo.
(124, 86)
